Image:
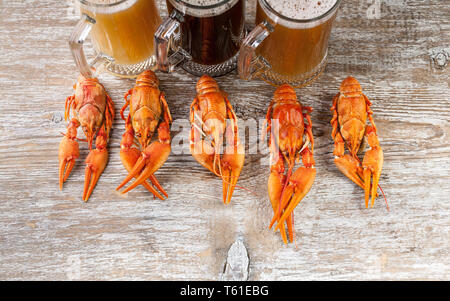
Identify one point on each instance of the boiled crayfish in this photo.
(209, 113)
(286, 129)
(148, 112)
(93, 110)
(351, 108)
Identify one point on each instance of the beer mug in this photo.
(289, 43)
(204, 36)
(122, 33)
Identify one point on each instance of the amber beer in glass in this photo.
(290, 42)
(122, 32)
(203, 35)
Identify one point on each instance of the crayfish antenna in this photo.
(385, 200)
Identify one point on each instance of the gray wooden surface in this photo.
(397, 50)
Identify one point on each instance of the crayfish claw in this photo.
(155, 182)
(68, 153)
(135, 171)
(301, 182)
(152, 158)
(95, 165)
(65, 167)
(129, 157)
(275, 188)
(232, 163)
(372, 165)
(351, 168)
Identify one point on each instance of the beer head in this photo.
(202, 2)
(299, 13)
(203, 8)
(103, 1)
(301, 9)
(106, 6)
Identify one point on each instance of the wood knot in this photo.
(237, 264)
(57, 117)
(439, 57)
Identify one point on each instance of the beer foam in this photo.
(103, 1)
(203, 2)
(201, 8)
(106, 6)
(301, 9)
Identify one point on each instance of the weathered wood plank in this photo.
(50, 234)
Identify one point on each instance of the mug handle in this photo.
(167, 39)
(249, 64)
(76, 41)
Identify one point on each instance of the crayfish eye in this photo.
(139, 135)
(148, 136)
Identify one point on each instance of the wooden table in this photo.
(397, 50)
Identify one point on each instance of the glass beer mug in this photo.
(289, 43)
(203, 35)
(122, 32)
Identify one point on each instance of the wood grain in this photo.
(50, 234)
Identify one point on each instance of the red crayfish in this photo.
(93, 110)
